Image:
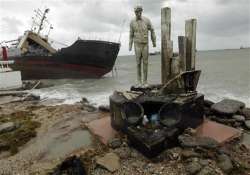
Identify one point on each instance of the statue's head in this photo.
(138, 11)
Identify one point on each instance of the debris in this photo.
(109, 161)
(192, 142)
(130, 95)
(219, 132)
(102, 129)
(8, 99)
(7, 127)
(227, 106)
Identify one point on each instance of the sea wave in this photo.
(71, 96)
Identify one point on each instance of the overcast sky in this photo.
(221, 23)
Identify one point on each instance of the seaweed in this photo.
(25, 130)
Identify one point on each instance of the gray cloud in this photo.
(219, 21)
(10, 24)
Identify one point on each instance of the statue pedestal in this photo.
(167, 116)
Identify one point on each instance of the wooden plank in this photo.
(3, 93)
(182, 42)
(190, 33)
(166, 45)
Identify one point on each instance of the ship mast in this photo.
(42, 20)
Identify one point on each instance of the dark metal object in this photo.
(151, 139)
(132, 113)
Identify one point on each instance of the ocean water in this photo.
(225, 74)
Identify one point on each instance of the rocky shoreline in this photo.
(36, 128)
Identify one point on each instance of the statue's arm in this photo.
(152, 31)
(131, 36)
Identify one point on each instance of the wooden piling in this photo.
(182, 43)
(166, 44)
(190, 33)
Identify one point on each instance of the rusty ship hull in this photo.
(83, 59)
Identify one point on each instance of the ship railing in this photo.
(4, 65)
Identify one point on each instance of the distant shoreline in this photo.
(224, 49)
(245, 48)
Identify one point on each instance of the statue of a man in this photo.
(139, 28)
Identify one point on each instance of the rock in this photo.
(247, 123)
(188, 141)
(207, 171)
(89, 108)
(189, 154)
(3, 145)
(204, 162)
(7, 127)
(115, 143)
(104, 108)
(227, 106)
(71, 165)
(239, 118)
(32, 97)
(174, 153)
(193, 167)
(208, 103)
(246, 113)
(109, 161)
(208, 111)
(225, 163)
(123, 152)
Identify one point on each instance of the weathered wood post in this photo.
(166, 44)
(182, 43)
(190, 33)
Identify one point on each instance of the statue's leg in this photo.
(145, 63)
(138, 54)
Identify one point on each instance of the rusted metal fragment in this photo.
(219, 132)
(182, 83)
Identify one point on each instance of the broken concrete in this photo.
(192, 142)
(7, 127)
(102, 129)
(219, 132)
(227, 106)
(109, 161)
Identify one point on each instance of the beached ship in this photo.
(35, 57)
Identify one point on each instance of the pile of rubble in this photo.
(228, 112)
(195, 154)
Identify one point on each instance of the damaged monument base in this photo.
(152, 119)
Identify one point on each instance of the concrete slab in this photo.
(102, 129)
(246, 139)
(8, 99)
(10, 80)
(219, 132)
